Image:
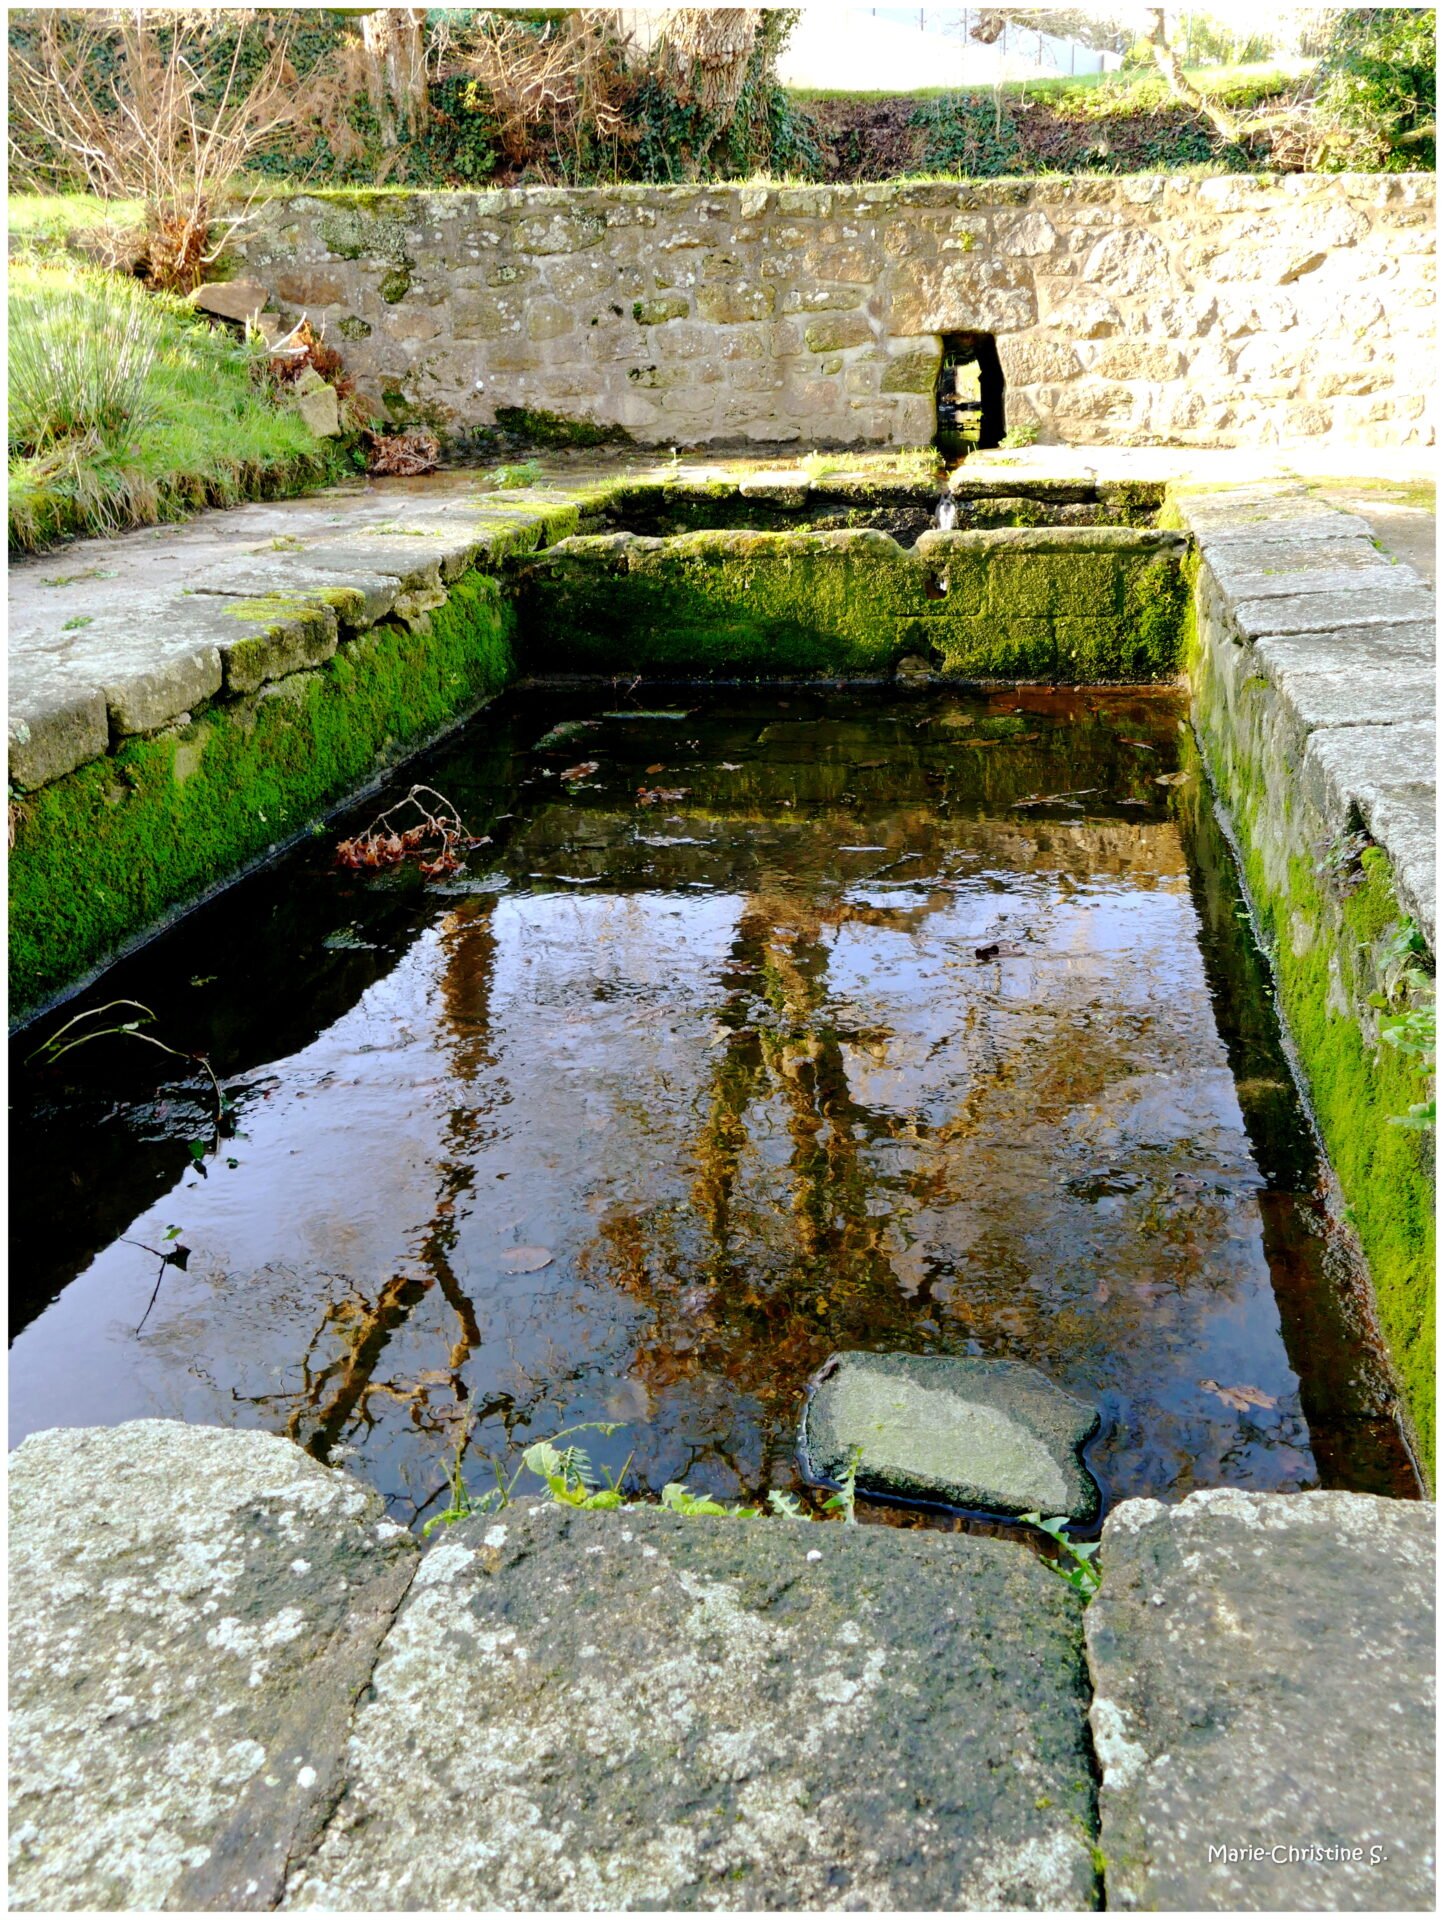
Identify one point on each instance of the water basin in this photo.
(798, 1021)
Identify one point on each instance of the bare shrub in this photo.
(566, 82)
(172, 126)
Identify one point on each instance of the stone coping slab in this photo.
(593, 1711)
(1263, 1671)
(186, 1644)
(1350, 647)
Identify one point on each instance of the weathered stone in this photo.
(183, 1664)
(1263, 1674)
(1356, 679)
(283, 633)
(1297, 314)
(655, 313)
(912, 372)
(583, 1711)
(990, 1434)
(1126, 262)
(316, 402)
(1393, 594)
(233, 300)
(359, 599)
(1387, 776)
(57, 723)
(833, 334)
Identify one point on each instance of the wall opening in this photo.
(969, 394)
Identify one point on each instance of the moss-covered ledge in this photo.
(1316, 726)
(115, 847)
(1097, 604)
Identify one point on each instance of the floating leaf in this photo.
(525, 1259)
(1239, 1398)
(579, 771)
(655, 796)
(1170, 779)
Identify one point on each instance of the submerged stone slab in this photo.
(599, 1711)
(1263, 1667)
(186, 1643)
(991, 1434)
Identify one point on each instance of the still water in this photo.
(784, 1023)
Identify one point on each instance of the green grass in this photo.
(208, 434)
(42, 218)
(1124, 92)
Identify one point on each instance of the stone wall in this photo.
(1230, 310)
(1311, 675)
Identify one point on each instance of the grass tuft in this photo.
(126, 409)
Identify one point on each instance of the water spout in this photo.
(947, 513)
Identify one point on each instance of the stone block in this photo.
(656, 313)
(731, 305)
(1384, 776)
(1262, 1671)
(989, 1434)
(183, 1667)
(618, 1710)
(234, 300)
(57, 723)
(836, 333)
(1366, 599)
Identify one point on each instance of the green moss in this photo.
(395, 285)
(1356, 1084)
(543, 429)
(783, 603)
(1326, 935)
(353, 327)
(109, 850)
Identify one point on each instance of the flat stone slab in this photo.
(988, 1434)
(594, 1711)
(1263, 1667)
(192, 1614)
(1387, 775)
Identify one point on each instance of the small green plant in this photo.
(565, 1472)
(787, 1505)
(1400, 958)
(1023, 435)
(1412, 1034)
(522, 473)
(676, 1499)
(1078, 1566)
(844, 1501)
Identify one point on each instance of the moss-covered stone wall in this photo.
(1345, 957)
(1061, 604)
(112, 849)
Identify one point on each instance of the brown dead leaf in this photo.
(1239, 1398)
(1170, 779)
(525, 1259)
(580, 771)
(659, 766)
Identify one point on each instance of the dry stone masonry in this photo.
(1225, 311)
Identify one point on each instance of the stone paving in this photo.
(1263, 1708)
(235, 1685)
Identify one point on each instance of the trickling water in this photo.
(802, 1021)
